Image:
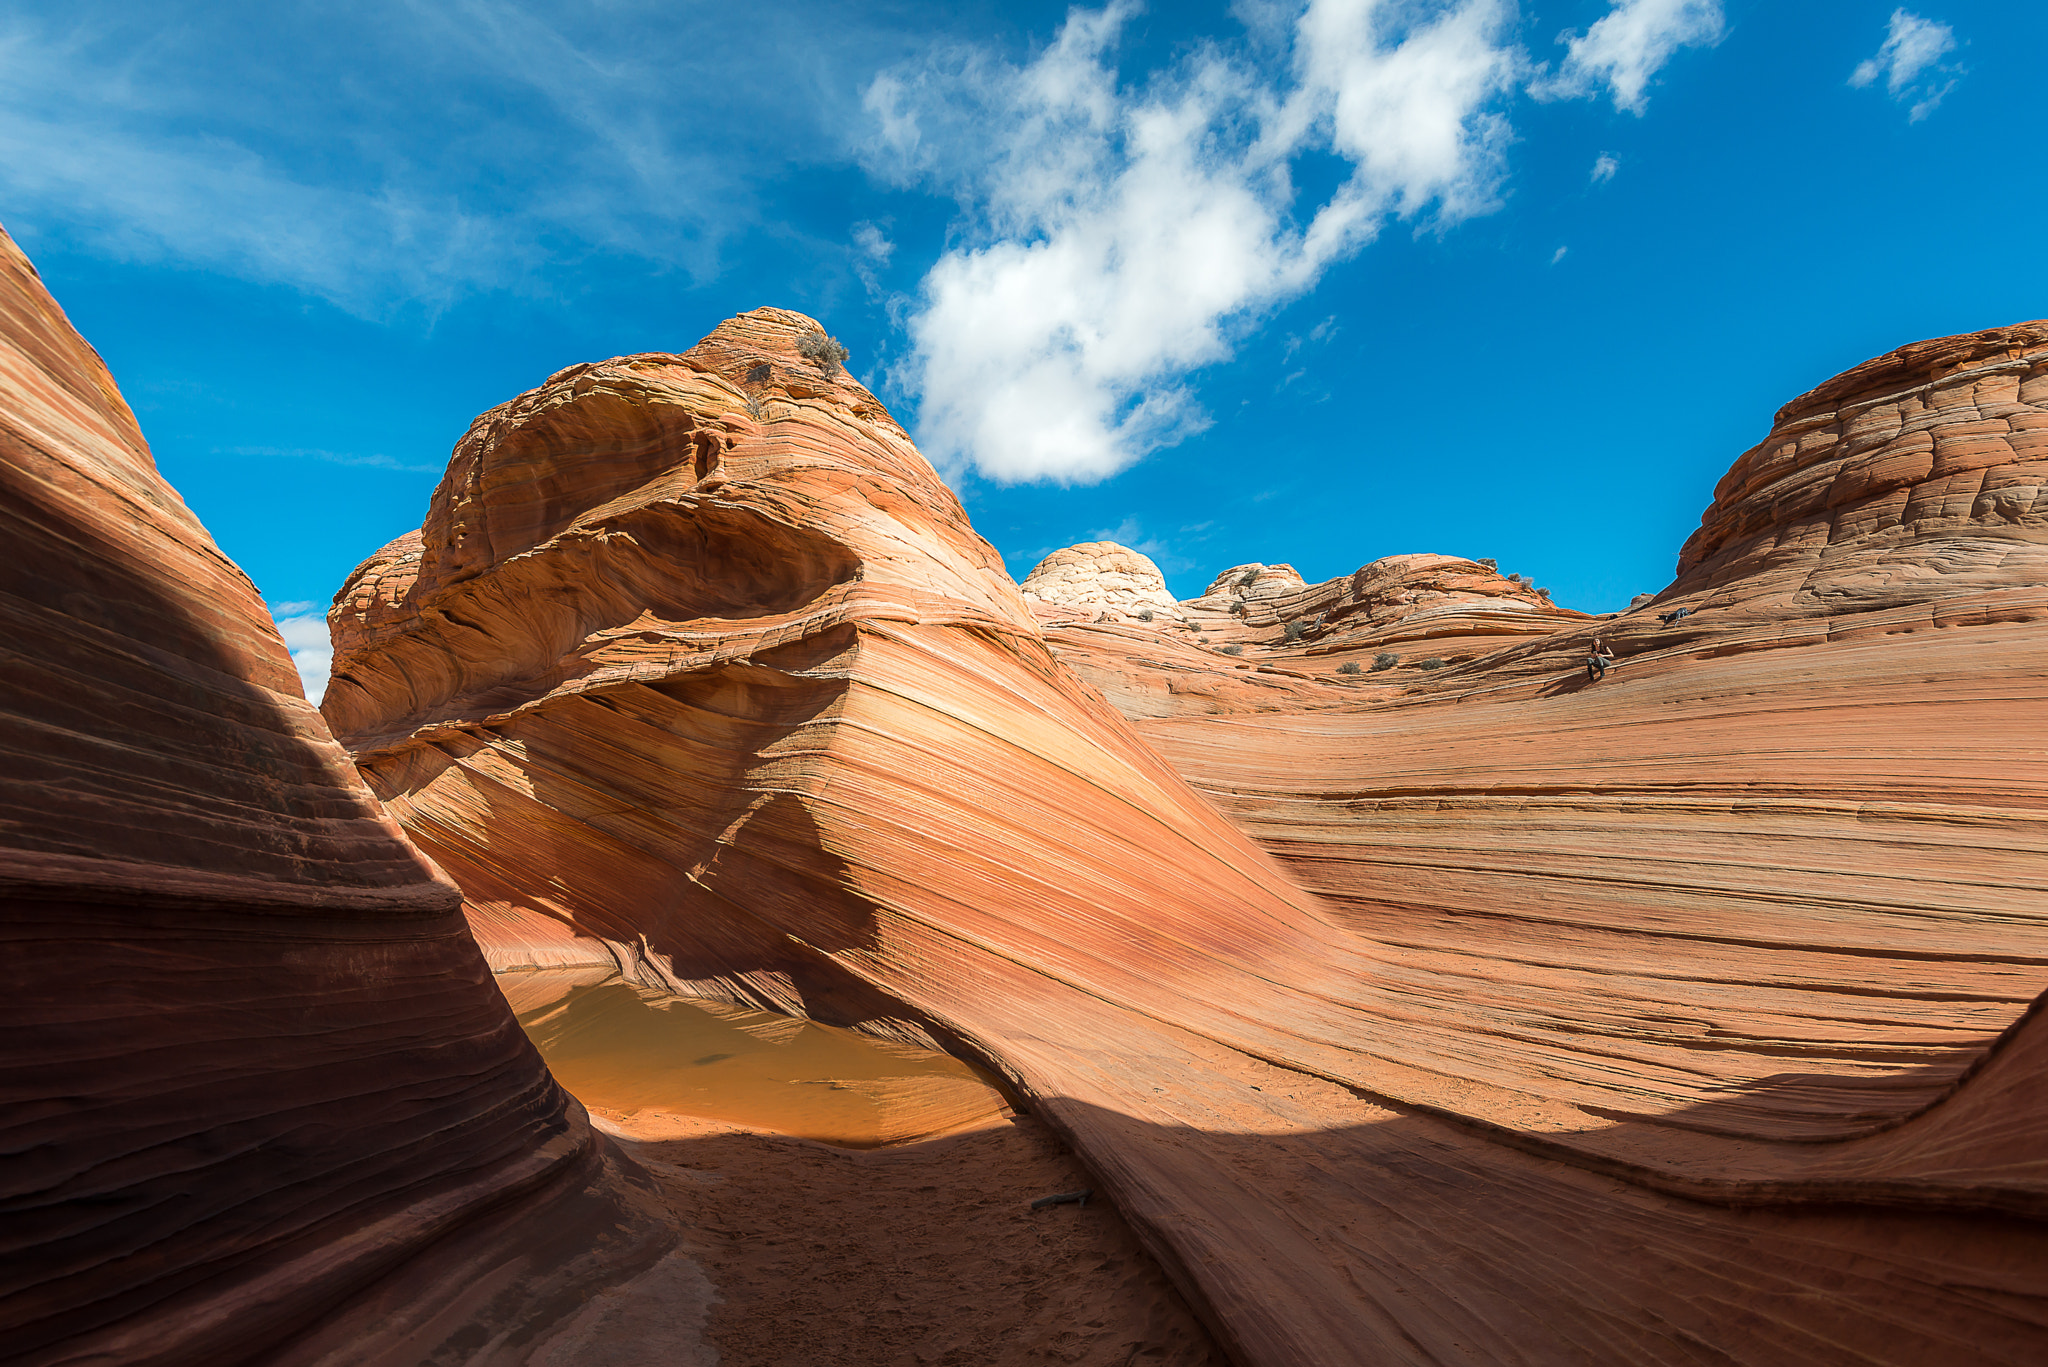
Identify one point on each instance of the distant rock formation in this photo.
(1242, 585)
(1259, 638)
(256, 1073)
(1508, 1017)
(1101, 576)
(1912, 480)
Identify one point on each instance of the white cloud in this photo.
(1604, 169)
(305, 635)
(1558, 255)
(1123, 233)
(1912, 45)
(1629, 45)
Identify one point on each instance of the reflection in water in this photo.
(635, 1055)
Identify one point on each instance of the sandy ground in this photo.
(922, 1255)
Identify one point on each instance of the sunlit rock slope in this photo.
(1504, 1020)
(253, 1065)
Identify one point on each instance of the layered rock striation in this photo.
(1682, 1017)
(1101, 578)
(255, 1065)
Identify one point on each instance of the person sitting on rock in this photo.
(1597, 660)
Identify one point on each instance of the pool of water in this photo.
(638, 1058)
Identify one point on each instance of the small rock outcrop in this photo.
(1246, 584)
(1101, 576)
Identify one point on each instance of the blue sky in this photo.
(1314, 282)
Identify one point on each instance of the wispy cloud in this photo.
(1909, 62)
(1163, 553)
(393, 156)
(1558, 255)
(1604, 168)
(1119, 236)
(872, 250)
(374, 461)
(1630, 44)
(305, 635)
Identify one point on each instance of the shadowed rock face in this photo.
(254, 1062)
(1505, 1020)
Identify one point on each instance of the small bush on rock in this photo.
(1386, 659)
(1233, 650)
(1292, 632)
(1433, 662)
(1145, 616)
(825, 352)
(1489, 563)
(1348, 667)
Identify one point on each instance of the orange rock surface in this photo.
(1506, 1019)
(1259, 639)
(254, 1063)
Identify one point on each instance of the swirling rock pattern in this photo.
(254, 1061)
(1101, 577)
(1674, 1019)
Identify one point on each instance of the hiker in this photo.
(1597, 660)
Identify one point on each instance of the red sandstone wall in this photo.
(253, 1060)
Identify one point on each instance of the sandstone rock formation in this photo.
(1254, 583)
(1680, 1018)
(255, 1065)
(1298, 645)
(1101, 577)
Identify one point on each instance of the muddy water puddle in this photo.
(647, 1061)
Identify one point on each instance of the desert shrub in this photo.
(1386, 659)
(1292, 632)
(1249, 578)
(1233, 650)
(1145, 616)
(1433, 662)
(1487, 562)
(1543, 593)
(825, 352)
(760, 374)
(1348, 667)
(1514, 579)
(754, 409)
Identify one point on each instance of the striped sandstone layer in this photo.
(696, 669)
(255, 1066)
(1259, 639)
